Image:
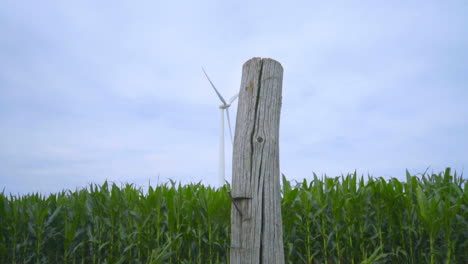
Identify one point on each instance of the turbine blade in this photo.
(216, 90)
(233, 98)
(229, 124)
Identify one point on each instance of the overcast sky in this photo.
(96, 90)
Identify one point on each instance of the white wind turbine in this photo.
(224, 106)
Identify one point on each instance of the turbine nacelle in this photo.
(227, 105)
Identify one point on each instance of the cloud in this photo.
(91, 91)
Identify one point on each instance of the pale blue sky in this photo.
(96, 90)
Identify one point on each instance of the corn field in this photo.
(346, 219)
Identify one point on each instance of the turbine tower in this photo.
(223, 107)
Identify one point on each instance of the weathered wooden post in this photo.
(256, 225)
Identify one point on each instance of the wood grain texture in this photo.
(256, 225)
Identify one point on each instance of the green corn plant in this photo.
(428, 214)
(346, 219)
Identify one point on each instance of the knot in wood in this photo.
(259, 139)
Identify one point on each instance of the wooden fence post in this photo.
(256, 224)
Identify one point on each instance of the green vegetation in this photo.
(332, 220)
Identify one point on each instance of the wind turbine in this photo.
(224, 106)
